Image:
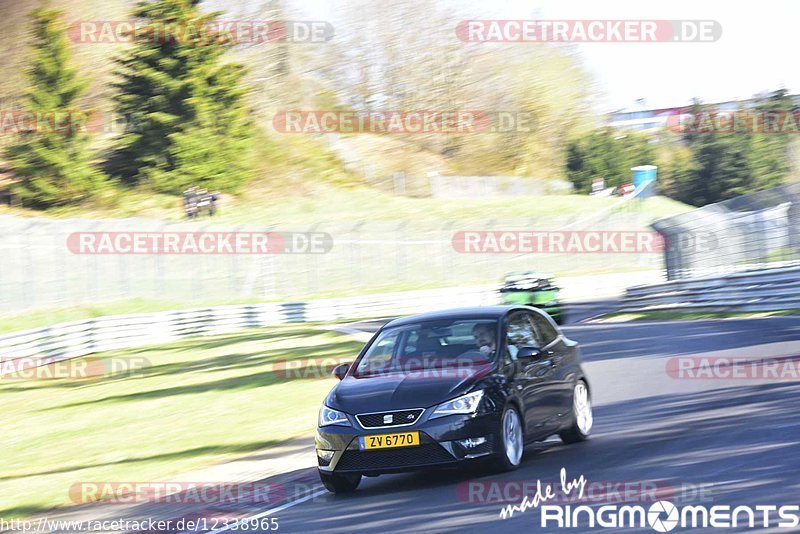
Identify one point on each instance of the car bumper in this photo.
(443, 443)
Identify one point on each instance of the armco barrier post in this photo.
(294, 312)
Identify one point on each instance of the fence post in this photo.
(402, 261)
(447, 251)
(355, 254)
(312, 264)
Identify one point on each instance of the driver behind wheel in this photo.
(484, 338)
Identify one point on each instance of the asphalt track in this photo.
(688, 441)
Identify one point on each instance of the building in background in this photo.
(651, 120)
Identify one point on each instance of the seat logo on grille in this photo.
(410, 417)
(387, 419)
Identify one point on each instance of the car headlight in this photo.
(465, 404)
(329, 416)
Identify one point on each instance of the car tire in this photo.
(340, 483)
(581, 415)
(512, 441)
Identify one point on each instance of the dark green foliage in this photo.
(189, 123)
(769, 158)
(607, 154)
(708, 162)
(728, 163)
(52, 158)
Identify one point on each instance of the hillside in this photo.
(306, 201)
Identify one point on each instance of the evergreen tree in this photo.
(190, 124)
(770, 151)
(726, 164)
(52, 157)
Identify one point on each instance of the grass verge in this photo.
(195, 403)
(327, 204)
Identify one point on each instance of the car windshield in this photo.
(459, 343)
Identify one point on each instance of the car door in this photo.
(561, 353)
(532, 375)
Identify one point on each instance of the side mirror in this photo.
(529, 353)
(340, 370)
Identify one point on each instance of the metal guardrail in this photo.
(753, 291)
(754, 231)
(80, 338)
(42, 346)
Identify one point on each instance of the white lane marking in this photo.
(275, 510)
(656, 322)
(588, 319)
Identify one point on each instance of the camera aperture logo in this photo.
(661, 516)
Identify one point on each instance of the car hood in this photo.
(398, 391)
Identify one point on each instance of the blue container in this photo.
(644, 174)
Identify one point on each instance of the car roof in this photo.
(477, 312)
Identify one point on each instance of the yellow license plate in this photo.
(388, 441)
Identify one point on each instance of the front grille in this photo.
(429, 454)
(399, 418)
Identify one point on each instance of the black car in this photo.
(449, 388)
